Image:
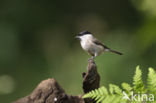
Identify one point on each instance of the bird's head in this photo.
(84, 35)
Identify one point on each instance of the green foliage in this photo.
(137, 80)
(126, 87)
(117, 95)
(102, 94)
(152, 81)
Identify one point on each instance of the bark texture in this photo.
(49, 91)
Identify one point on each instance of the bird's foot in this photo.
(92, 58)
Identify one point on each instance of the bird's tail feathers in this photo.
(116, 52)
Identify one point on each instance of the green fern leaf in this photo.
(137, 81)
(151, 81)
(114, 89)
(126, 87)
(97, 94)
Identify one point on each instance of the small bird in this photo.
(93, 46)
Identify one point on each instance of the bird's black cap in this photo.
(84, 33)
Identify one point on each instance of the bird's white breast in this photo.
(86, 42)
(86, 45)
(89, 46)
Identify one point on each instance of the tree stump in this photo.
(49, 91)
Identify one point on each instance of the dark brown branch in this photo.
(49, 91)
(91, 79)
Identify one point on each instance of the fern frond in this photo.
(126, 87)
(114, 89)
(151, 81)
(137, 81)
(102, 95)
(97, 94)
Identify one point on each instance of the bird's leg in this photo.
(92, 58)
(94, 55)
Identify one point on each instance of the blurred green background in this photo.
(37, 42)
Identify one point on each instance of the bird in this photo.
(92, 45)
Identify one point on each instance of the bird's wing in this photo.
(99, 43)
(105, 47)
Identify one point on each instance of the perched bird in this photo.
(93, 46)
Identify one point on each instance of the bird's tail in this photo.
(116, 52)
